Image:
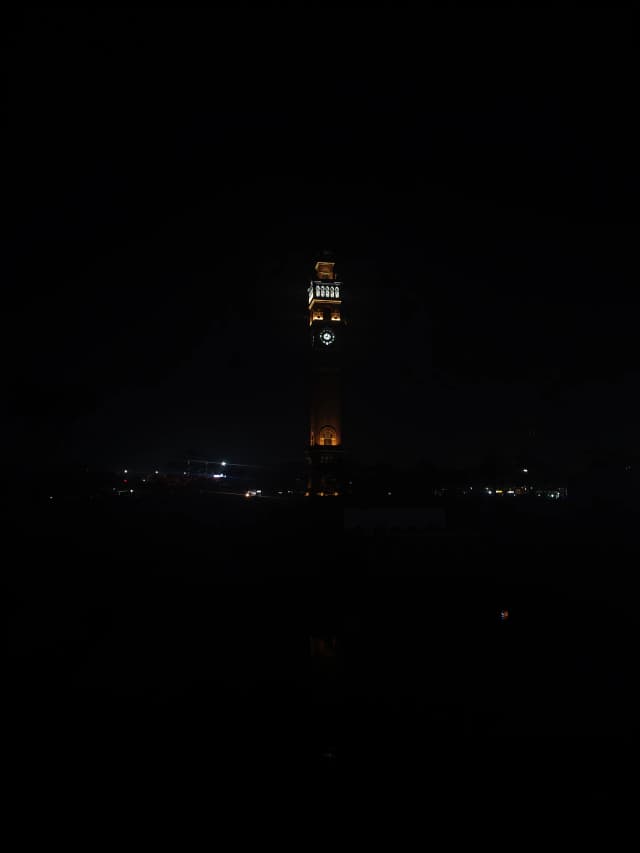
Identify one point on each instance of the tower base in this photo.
(325, 472)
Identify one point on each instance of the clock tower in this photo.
(326, 338)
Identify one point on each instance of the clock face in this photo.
(327, 337)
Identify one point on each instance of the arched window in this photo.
(337, 290)
(328, 436)
(331, 291)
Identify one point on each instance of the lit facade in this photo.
(326, 326)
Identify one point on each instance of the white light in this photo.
(223, 463)
(131, 490)
(525, 470)
(50, 497)
(388, 493)
(157, 472)
(126, 471)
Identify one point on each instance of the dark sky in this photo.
(172, 175)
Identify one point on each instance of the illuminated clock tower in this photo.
(326, 327)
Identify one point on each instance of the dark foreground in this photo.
(214, 631)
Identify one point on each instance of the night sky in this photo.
(171, 177)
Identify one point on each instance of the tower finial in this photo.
(324, 270)
(324, 267)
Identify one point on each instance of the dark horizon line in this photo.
(175, 466)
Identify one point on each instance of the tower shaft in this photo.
(326, 325)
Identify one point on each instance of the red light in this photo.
(125, 481)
